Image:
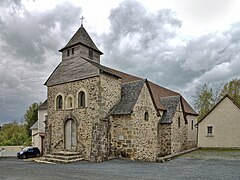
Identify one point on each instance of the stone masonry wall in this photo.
(165, 139)
(84, 117)
(132, 136)
(178, 134)
(109, 96)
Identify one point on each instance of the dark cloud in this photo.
(138, 42)
(29, 44)
(149, 45)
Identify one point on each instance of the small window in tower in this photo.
(90, 54)
(179, 122)
(72, 51)
(68, 52)
(146, 116)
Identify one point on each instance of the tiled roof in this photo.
(157, 91)
(171, 105)
(129, 96)
(43, 106)
(34, 126)
(81, 37)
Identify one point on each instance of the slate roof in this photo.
(171, 105)
(43, 106)
(34, 126)
(156, 91)
(81, 37)
(129, 96)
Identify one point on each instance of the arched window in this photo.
(146, 116)
(81, 99)
(59, 102)
(70, 102)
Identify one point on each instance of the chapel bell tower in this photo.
(81, 45)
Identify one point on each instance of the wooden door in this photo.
(70, 135)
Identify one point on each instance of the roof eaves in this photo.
(151, 94)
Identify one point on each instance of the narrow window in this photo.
(209, 130)
(72, 51)
(70, 102)
(192, 124)
(179, 122)
(59, 102)
(68, 52)
(81, 99)
(90, 54)
(146, 116)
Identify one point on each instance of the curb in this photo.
(169, 157)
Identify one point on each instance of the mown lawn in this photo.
(214, 153)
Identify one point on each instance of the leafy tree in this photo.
(31, 116)
(14, 134)
(233, 89)
(205, 100)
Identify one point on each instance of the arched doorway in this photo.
(70, 135)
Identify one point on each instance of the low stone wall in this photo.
(10, 151)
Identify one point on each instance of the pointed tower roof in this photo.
(81, 37)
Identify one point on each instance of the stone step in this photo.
(68, 157)
(54, 160)
(66, 153)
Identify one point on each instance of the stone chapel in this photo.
(103, 113)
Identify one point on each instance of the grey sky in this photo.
(138, 41)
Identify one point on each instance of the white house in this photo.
(221, 126)
(38, 129)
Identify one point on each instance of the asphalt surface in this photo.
(179, 168)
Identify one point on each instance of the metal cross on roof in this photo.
(82, 18)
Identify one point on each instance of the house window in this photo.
(146, 116)
(68, 52)
(209, 130)
(192, 125)
(59, 102)
(81, 99)
(179, 122)
(90, 54)
(72, 51)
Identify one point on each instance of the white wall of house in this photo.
(42, 114)
(35, 138)
(192, 130)
(225, 123)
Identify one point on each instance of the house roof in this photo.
(156, 91)
(129, 96)
(219, 102)
(34, 126)
(171, 104)
(43, 106)
(81, 37)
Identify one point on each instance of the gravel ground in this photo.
(189, 166)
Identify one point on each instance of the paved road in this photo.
(180, 168)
